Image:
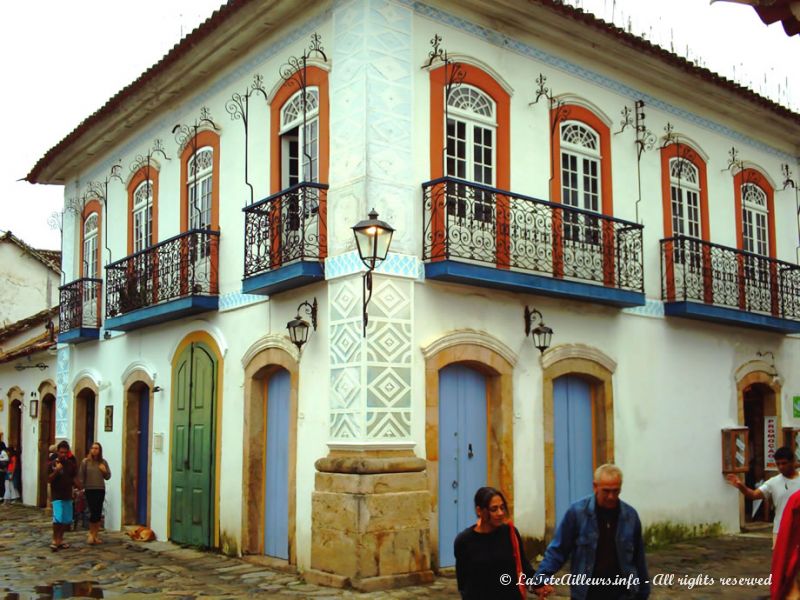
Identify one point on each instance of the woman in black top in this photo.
(487, 565)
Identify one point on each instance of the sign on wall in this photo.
(770, 442)
(109, 420)
(796, 407)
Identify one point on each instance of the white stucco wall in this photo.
(674, 388)
(27, 285)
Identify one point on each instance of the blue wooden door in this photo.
(462, 452)
(276, 492)
(143, 455)
(573, 460)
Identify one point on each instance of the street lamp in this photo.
(373, 238)
(298, 327)
(541, 334)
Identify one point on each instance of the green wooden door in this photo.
(191, 507)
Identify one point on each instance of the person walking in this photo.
(93, 474)
(62, 472)
(776, 489)
(3, 470)
(11, 493)
(490, 559)
(610, 555)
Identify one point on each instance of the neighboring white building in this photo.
(675, 311)
(29, 280)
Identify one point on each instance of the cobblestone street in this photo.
(124, 569)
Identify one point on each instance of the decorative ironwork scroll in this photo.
(238, 108)
(187, 135)
(558, 113)
(645, 140)
(284, 228)
(99, 190)
(473, 223)
(79, 304)
(184, 265)
(698, 271)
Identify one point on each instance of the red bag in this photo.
(523, 590)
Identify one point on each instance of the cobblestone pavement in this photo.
(124, 569)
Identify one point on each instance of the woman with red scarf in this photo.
(786, 554)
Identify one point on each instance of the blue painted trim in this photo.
(284, 278)
(78, 335)
(730, 316)
(159, 313)
(448, 270)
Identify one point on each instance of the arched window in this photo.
(755, 219)
(91, 262)
(684, 189)
(199, 186)
(580, 166)
(471, 135)
(300, 139)
(142, 216)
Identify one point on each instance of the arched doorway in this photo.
(47, 437)
(488, 358)
(462, 452)
(578, 424)
(758, 393)
(15, 425)
(270, 451)
(85, 429)
(136, 452)
(193, 493)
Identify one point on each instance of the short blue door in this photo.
(276, 492)
(573, 460)
(462, 452)
(143, 451)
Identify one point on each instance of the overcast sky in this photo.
(61, 61)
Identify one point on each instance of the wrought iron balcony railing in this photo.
(473, 223)
(286, 227)
(184, 265)
(697, 271)
(79, 304)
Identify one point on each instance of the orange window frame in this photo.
(480, 79)
(750, 175)
(203, 139)
(315, 77)
(575, 112)
(90, 208)
(685, 152)
(140, 176)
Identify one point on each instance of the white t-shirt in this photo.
(778, 489)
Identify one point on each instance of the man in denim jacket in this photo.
(603, 535)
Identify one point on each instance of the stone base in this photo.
(370, 584)
(370, 522)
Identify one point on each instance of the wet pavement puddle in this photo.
(58, 591)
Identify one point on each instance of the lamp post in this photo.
(298, 327)
(373, 238)
(541, 334)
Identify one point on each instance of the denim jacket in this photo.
(577, 537)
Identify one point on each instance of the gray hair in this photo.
(607, 469)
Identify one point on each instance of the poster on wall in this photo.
(770, 442)
(796, 407)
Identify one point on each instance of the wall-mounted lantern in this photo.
(541, 334)
(373, 238)
(298, 327)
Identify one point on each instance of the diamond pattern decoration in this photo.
(390, 301)
(345, 343)
(344, 383)
(344, 426)
(344, 302)
(389, 344)
(393, 425)
(389, 389)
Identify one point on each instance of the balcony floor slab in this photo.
(730, 316)
(283, 278)
(483, 276)
(79, 335)
(160, 313)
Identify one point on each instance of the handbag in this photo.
(523, 591)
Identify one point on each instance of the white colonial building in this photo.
(527, 155)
